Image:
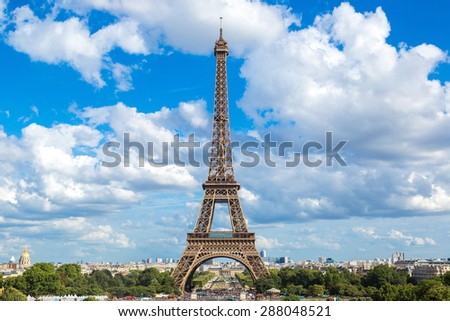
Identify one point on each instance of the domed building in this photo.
(12, 265)
(24, 260)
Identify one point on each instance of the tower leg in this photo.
(202, 247)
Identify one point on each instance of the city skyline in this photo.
(268, 259)
(81, 73)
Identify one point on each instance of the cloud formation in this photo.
(3, 4)
(71, 42)
(192, 26)
(339, 74)
(142, 27)
(51, 160)
(394, 235)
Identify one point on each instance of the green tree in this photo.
(446, 278)
(287, 276)
(12, 294)
(306, 277)
(118, 280)
(139, 291)
(291, 297)
(316, 290)
(383, 274)
(117, 291)
(432, 290)
(42, 279)
(131, 279)
(167, 283)
(387, 292)
(245, 279)
(335, 281)
(299, 277)
(351, 290)
(370, 291)
(406, 292)
(296, 290)
(100, 282)
(146, 277)
(72, 280)
(200, 279)
(352, 278)
(271, 281)
(70, 274)
(17, 282)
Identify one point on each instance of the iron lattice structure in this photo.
(220, 187)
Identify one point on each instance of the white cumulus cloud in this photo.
(248, 196)
(267, 243)
(366, 231)
(192, 25)
(409, 239)
(394, 235)
(341, 75)
(71, 42)
(3, 4)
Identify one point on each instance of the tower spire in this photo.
(221, 164)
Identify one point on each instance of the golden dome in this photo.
(24, 260)
(25, 252)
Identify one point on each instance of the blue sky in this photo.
(77, 74)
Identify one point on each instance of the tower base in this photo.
(204, 246)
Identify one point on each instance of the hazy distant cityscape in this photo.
(393, 278)
(418, 268)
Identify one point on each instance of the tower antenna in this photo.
(220, 28)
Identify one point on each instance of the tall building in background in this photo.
(220, 187)
(398, 256)
(283, 260)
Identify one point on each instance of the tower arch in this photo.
(194, 267)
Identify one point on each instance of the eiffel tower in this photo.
(220, 187)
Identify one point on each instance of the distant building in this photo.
(329, 260)
(12, 265)
(398, 256)
(322, 260)
(263, 254)
(24, 260)
(430, 270)
(283, 260)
